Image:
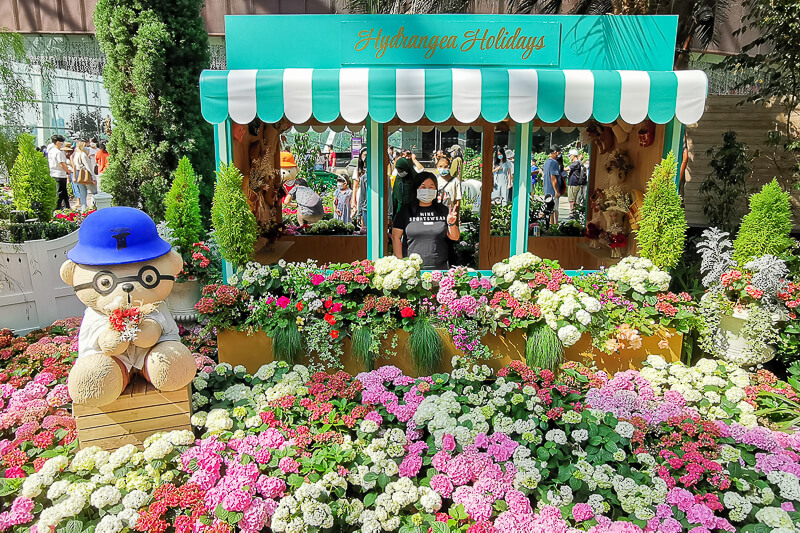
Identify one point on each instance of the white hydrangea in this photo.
(569, 335)
(105, 496)
(640, 274)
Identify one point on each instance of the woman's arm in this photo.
(397, 242)
(453, 233)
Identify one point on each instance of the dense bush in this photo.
(662, 228)
(34, 189)
(20, 232)
(765, 229)
(235, 225)
(183, 208)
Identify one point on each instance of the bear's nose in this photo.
(127, 287)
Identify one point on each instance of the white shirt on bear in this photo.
(94, 323)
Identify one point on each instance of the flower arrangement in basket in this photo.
(620, 163)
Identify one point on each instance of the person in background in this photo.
(102, 162)
(574, 185)
(358, 198)
(552, 179)
(69, 151)
(510, 159)
(456, 161)
(411, 156)
(342, 199)
(309, 205)
(81, 162)
(403, 190)
(391, 153)
(331, 158)
(57, 160)
(500, 193)
(425, 227)
(449, 185)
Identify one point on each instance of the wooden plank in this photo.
(133, 402)
(113, 443)
(487, 184)
(138, 426)
(130, 415)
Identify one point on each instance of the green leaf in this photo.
(295, 480)
(369, 499)
(73, 526)
(440, 527)
(383, 480)
(458, 512)
(370, 476)
(221, 513)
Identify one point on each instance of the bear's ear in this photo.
(175, 262)
(68, 271)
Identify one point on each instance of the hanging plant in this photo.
(619, 163)
(543, 349)
(287, 344)
(426, 346)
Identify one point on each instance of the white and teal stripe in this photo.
(325, 95)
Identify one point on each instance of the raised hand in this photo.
(452, 216)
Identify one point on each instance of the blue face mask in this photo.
(444, 171)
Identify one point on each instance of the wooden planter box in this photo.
(255, 349)
(323, 248)
(140, 411)
(572, 253)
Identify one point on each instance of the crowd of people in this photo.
(79, 167)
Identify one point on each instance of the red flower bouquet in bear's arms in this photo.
(126, 320)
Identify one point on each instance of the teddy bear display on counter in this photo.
(123, 271)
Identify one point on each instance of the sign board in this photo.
(355, 146)
(393, 42)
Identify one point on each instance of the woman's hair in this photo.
(502, 158)
(81, 145)
(362, 165)
(443, 158)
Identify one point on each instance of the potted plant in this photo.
(33, 189)
(742, 304)
(183, 220)
(235, 227)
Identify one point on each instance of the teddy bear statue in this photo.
(122, 270)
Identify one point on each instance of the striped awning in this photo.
(325, 95)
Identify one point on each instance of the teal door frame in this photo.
(522, 189)
(674, 132)
(375, 171)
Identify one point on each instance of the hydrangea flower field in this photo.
(670, 448)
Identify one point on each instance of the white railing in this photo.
(32, 294)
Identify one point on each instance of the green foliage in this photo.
(86, 124)
(725, 189)
(183, 207)
(155, 52)
(331, 227)
(34, 189)
(472, 165)
(765, 229)
(287, 343)
(305, 153)
(361, 343)
(543, 349)
(426, 346)
(235, 225)
(15, 232)
(662, 229)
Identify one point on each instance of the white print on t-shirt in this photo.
(427, 217)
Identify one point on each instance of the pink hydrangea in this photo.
(448, 443)
(410, 466)
(582, 512)
(236, 500)
(441, 483)
(271, 487)
(288, 465)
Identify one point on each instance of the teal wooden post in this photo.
(375, 171)
(522, 189)
(222, 152)
(673, 142)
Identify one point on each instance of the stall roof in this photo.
(465, 94)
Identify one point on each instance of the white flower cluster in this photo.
(397, 496)
(305, 508)
(384, 454)
(640, 274)
(292, 383)
(442, 415)
(712, 380)
(509, 269)
(253, 275)
(567, 305)
(391, 273)
(215, 421)
(788, 484)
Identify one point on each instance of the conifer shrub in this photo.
(765, 229)
(183, 208)
(662, 228)
(234, 224)
(34, 189)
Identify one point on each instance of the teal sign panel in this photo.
(594, 42)
(391, 42)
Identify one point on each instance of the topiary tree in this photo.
(34, 189)
(183, 208)
(662, 228)
(235, 228)
(155, 51)
(765, 229)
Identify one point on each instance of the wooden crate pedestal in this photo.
(140, 411)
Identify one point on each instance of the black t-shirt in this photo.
(425, 233)
(575, 173)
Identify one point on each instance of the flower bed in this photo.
(309, 310)
(469, 451)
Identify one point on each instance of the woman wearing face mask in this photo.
(358, 199)
(341, 199)
(426, 227)
(502, 184)
(449, 186)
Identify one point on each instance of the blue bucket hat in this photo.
(117, 236)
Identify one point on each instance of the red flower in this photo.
(330, 319)
(334, 334)
(407, 312)
(299, 306)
